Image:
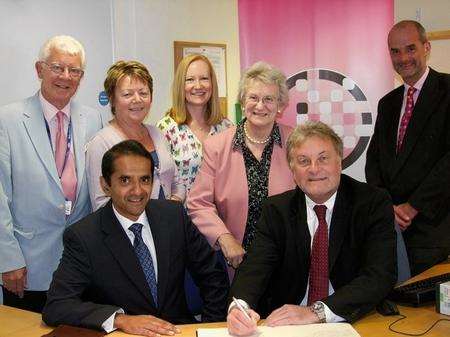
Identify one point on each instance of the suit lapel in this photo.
(394, 114)
(302, 236)
(34, 123)
(424, 108)
(161, 238)
(79, 134)
(339, 224)
(120, 247)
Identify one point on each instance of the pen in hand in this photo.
(241, 308)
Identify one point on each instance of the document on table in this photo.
(310, 330)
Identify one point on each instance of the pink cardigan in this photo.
(218, 200)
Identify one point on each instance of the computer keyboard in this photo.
(420, 292)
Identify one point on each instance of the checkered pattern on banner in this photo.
(330, 97)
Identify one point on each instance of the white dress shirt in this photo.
(147, 237)
(50, 112)
(313, 223)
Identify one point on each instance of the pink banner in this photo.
(335, 55)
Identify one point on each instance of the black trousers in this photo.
(31, 300)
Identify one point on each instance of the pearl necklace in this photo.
(255, 141)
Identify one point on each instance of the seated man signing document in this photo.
(123, 267)
(324, 252)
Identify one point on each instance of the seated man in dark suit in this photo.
(324, 252)
(123, 266)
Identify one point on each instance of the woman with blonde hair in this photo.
(194, 116)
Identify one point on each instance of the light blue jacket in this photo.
(32, 217)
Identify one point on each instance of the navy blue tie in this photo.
(145, 259)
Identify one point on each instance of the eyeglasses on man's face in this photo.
(59, 69)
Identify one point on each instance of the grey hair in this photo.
(309, 129)
(65, 44)
(267, 74)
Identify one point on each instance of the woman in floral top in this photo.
(195, 115)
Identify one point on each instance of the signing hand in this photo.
(239, 325)
(15, 281)
(290, 314)
(231, 249)
(404, 214)
(144, 325)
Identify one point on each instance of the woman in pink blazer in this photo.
(243, 165)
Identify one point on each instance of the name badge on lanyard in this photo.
(67, 203)
(68, 207)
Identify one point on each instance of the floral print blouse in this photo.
(185, 147)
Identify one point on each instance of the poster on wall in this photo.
(335, 56)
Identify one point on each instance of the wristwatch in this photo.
(319, 309)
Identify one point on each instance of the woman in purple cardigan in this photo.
(129, 87)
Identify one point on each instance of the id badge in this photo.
(68, 207)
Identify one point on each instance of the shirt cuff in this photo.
(330, 316)
(108, 325)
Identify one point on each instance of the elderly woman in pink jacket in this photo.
(243, 165)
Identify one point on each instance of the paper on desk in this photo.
(310, 330)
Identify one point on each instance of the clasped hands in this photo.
(144, 325)
(289, 314)
(404, 214)
(231, 249)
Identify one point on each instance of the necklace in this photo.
(199, 128)
(264, 141)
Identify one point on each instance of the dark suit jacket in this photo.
(99, 271)
(362, 252)
(420, 173)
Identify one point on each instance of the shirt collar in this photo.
(419, 84)
(50, 110)
(126, 223)
(239, 136)
(329, 203)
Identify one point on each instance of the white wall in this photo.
(25, 25)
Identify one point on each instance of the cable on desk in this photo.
(414, 334)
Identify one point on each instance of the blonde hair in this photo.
(309, 129)
(179, 112)
(267, 74)
(119, 70)
(63, 43)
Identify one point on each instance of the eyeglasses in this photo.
(59, 69)
(304, 162)
(266, 100)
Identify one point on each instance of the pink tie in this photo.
(406, 117)
(318, 271)
(65, 167)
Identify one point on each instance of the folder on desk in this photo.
(310, 330)
(73, 331)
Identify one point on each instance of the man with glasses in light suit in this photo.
(42, 140)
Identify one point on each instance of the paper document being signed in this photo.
(310, 330)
